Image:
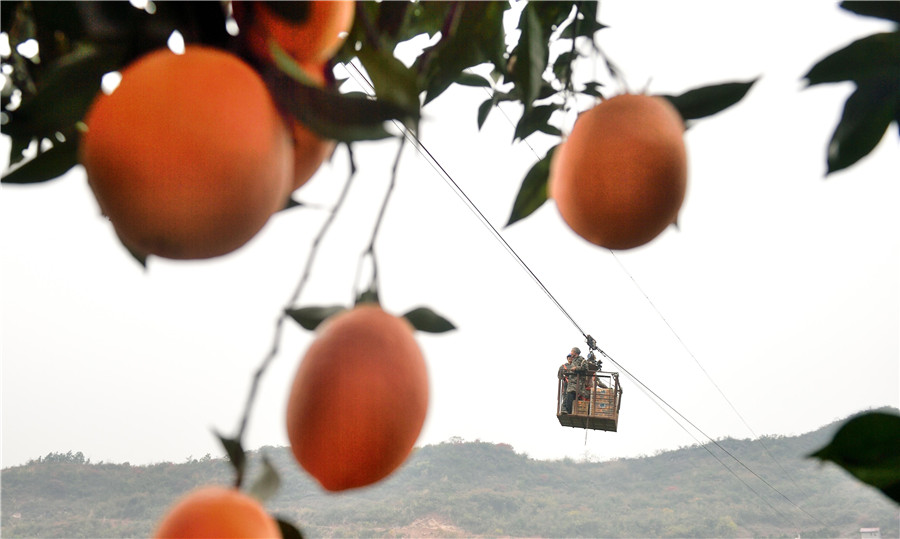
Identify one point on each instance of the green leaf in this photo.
(536, 119)
(562, 66)
(593, 89)
(333, 115)
(47, 165)
(267, 484)
(889, 9)
(552, 14)
(391, 16)
(343, 117)
(393, 81)
(867, 114)
(288, 530)
(138, 257)
(483, 110)
(288, 65)
(310, 317)
(236, 455)
(586, 23)
(478, 38)
(425, 319)
(868, 446)
(471, 79)
(291, 203)
(368, 296)
(18, 146)
(875, 56)
(532, 55)
(533, 192)
(64, 93)
(709, 100)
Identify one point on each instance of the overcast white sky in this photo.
(780, 284)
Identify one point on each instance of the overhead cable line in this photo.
(713, 382)
(683, 344)
(413, 138)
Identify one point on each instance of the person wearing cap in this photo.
(567, 374)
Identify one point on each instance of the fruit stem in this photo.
(370, 250)
(279, 324)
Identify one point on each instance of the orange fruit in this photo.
(620, 177)
(314, 41)
(310, 152)
(215, 511)
(359, 399)
(188, 156)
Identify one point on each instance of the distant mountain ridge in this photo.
(466, 489)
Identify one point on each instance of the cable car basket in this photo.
(596, 404)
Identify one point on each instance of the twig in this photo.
(370, 250)
(279, 324)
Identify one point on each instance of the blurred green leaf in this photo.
(64, 93)
(562, 66)
(140, 258)
(533, 192)
(288, 65)
(477, 38)
(552, 14)
(531, 55)
(536, 119)
(586, 23)
(425, 319)
(867, 114)
(333, 115)
(310, 317)
(425, 18)
(483, 110)
(875, 56)
(593, 89)
(343, 117)
(267, 484)
(709, 100)
(393, 81)
(55, 19)
(868, 446)
(391, 16)
(889, 9)
(291, 203)
(20, 143)
(47, 165)
(236, 455)
(368, 296)
(471, 79)
(288, 530)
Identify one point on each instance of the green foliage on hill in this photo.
(467, 489)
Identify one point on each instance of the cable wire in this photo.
(713, 382)
(435, 164)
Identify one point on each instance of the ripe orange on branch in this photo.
(359, 399)
(310, 152)
(216, 511)
(311, 42)
(188, 156)
(620, 177)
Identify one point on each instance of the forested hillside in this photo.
(459, 488)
